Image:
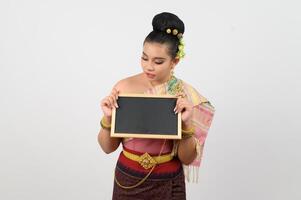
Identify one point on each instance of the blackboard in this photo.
(146, 116)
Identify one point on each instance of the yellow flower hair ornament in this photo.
(175, 32)
(181, 53)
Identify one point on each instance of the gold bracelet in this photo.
(191, 130)
(185, 136)
(187, 133)
(105, 125)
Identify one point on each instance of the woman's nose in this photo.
(149, 67)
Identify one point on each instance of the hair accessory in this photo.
(168, 30)
(175, 31)
(181, 53)
(180, 35)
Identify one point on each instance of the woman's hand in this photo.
(186, 107)
(107, 143)
(109, 102)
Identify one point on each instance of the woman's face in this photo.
(156, 62)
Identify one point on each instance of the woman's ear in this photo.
(175, 61)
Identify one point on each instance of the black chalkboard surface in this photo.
(146, 116)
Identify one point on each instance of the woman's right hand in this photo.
(109, 102)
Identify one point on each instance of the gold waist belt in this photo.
(147, 161)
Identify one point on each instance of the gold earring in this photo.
(171, 73)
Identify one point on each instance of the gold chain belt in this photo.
(147, 161)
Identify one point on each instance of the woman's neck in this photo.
(158, 82)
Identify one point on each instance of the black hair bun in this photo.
(165, 20)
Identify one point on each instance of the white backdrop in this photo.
(59, 58)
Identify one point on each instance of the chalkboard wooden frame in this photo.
(177, 134)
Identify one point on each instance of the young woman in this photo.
(174, 159)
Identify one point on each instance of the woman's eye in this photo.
(157, 63)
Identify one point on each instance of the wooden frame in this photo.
(177, 135)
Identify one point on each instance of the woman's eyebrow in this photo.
(161, 58)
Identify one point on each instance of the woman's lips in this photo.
(150, 75)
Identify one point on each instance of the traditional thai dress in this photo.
(166, 180)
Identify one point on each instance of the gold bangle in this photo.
(189, 131)
(185, 136)
(104, 125)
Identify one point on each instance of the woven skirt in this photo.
(167, 181)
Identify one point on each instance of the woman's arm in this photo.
(107, 143)
(187, 149)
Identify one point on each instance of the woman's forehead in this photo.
(154, 49)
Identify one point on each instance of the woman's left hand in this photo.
(186, 109)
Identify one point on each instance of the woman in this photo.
(175, 159)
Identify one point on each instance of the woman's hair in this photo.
(161, 22)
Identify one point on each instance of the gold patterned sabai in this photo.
(175, 86)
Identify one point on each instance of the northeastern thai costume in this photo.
(135, 175)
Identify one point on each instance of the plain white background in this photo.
(58, 59)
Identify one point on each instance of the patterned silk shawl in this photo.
(202, 116)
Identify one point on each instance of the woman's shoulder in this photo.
(128, 83)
